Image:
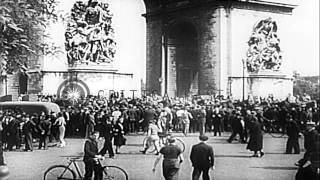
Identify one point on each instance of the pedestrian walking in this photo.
(172, 158)
(119, 139)
(293, 132)
(237, 127)
(107, 129)
(61, 123)
(255, 143)
(202, 159)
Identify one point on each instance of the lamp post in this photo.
(243, 79)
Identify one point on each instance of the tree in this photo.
(22, 24)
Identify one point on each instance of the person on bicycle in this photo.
(153, 137)
(90, 158)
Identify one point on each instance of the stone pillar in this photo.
(172, 73)
(209, 52)
(154, 63)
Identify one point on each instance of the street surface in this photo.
(232, 161)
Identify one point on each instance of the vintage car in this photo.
(30, 107)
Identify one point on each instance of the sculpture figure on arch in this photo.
(89, 34)
(264, 51)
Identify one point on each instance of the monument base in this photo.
(265, 83)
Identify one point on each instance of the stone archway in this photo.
(183, 59)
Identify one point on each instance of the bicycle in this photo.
(274, 128)
(60, 172)
(163, 141)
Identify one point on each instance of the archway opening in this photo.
(183, 49)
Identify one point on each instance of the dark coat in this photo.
(293, 129)
(118, 133)
(256, 137)
(45, 126)
(202, 156)
(28, 127)
(90, 149)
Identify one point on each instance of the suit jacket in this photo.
(202, 156)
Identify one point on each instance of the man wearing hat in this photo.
(202, 159)
(309, 140)
(172, 158)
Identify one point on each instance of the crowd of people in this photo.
(116, 116)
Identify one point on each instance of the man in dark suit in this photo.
(45, 132)
(90, 158)
(108, 135)
(202, 159)
(27, 130)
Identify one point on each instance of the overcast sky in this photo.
(130, 32)
(305, 53)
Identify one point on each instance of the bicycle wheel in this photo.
(149, 144)
(276, 131)
(114, 173)
(58, 172)
(180, 143)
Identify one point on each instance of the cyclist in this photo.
(153, 137)
(90, 158)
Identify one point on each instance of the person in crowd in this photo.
(179, 114)
(1, 134)
(107, 128)
(5, 132)
(194, 125)
(202, 159)
(237, 127)
(202, 119)
(185, 118)
(14, 132)
(90, 123)
(61, 123)
(118, 133)
(209, 118)
(293, 132)
(54, 131)
(247, 119)
(132, 115)
(153, 137)
(172, 158)
(255, 143)
(148, 115)
(91, 156)
(217, 121)
(116, 114)
(311, 167)
(44, 130)
(309, 142)
(27, 130)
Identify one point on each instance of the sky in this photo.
(130, 34)
(305, 53)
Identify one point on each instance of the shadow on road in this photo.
(277, 168)
(232, 156)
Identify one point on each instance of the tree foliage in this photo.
(22, 24)
(308, 85)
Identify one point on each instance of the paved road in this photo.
(233, 161)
